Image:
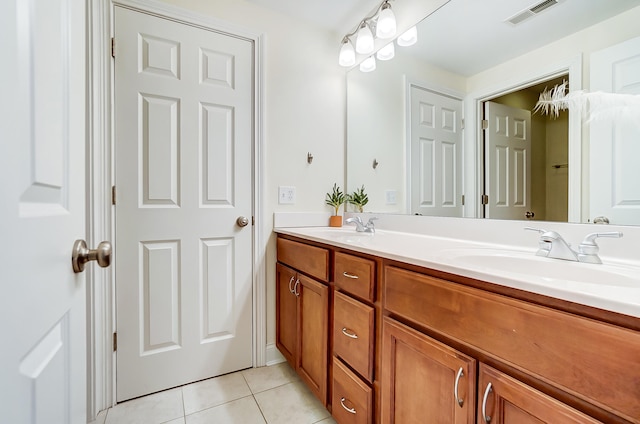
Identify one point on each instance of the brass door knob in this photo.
(81, 255)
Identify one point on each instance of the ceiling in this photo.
(339, 16)
(465, 36)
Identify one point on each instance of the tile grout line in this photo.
(253, 395)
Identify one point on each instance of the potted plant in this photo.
(358, 199)
(335, 199)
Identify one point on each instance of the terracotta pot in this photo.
(335, 221)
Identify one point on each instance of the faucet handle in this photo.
(370, 221)
(589, 245)
(544, 245)
(540, 230)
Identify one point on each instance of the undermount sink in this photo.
(546, 269)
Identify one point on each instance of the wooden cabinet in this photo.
(504, 400)
(595, 362)
(379, 341)
(302, 313)
(422, 377)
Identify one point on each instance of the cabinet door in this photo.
(286, 313)
(422, 381)
(508, 400)
(313, 332)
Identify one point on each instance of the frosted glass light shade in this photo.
(368, 65)
(364, 40)
(387, 52)
(386, 26)
(408, 38)
(347, 54)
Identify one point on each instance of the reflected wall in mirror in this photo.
(467, 52)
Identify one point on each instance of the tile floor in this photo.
(268, 395)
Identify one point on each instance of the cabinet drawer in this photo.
(355, 275)
(352, 400)
(353, 333)
(594, 361)
(311, 260)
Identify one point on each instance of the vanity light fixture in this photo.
(364, 39)
(347, 53)
(408, 38)
(368, 65)
(382, 23)
(387, 52)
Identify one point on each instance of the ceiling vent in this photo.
(531, 11)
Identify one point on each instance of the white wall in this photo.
(597, 37)
(304, 110)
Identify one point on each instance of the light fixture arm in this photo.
(366, 21)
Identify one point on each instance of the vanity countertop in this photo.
(611, 286)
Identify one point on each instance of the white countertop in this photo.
(612, 286)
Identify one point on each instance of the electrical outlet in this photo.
(391, 197)
(286, 195)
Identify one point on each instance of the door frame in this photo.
(473, 142)
(101, 313)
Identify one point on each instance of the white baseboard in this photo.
(273, 355)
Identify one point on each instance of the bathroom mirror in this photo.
(467, 52)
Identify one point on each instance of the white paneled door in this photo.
(507, 141)
(42, 198)
(614, 148)
(183, 113)
(436, 153)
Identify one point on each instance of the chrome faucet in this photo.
(361, 227)
(552, 245)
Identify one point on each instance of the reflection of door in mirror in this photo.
(507, 138)
(435, 153)
(614, 147)
(540, 187)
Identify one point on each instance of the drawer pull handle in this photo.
(349, 333)
(353, 277)
(351, 410)
(295, 287)
(487, 418)
(290, 282)
(455, 388)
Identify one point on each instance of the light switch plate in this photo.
(391, 196)
(286, 195)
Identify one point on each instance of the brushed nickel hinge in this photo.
(113, 47)
(115, 341)
(485, 124)
(253, 220)
(485, 199)
(462, 201)
(113, 195)
(462, 124)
